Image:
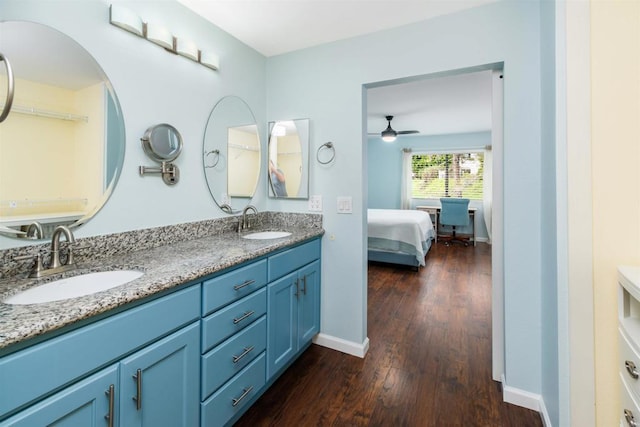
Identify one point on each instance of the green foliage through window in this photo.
(447, 175)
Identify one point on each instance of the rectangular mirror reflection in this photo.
(288, 159)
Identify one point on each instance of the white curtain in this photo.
(487, 185)
(405, 190)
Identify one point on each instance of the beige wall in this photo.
(69, 153)
(615, 89)
(244, 163)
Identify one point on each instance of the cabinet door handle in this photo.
(237, 320)
(631, 369)
(628, 416)
(242, 285)
(111, 394)
(138, 397)
(246, 351)
(244, 394)
(297, 292)
(304, 285)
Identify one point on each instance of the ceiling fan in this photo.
(390, 135)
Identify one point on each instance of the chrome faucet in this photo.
(34, 231)
(243, 222)
(55, 246)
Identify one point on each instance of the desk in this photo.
(435, 212)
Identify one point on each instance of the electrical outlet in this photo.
(315, 203)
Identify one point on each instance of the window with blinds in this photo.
(447, 175)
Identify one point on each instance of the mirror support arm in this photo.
(170, 172)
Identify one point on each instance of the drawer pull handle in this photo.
(631, 421)
(237, 320)
(246, 351)
(111, 393)
(244, 394)
(138, 397)
(631, 368)
(242, 285)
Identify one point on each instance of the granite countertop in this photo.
(164, 267)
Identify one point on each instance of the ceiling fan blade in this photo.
(407, 132)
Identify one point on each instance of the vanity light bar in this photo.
(127, 20)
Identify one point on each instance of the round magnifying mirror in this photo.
(162, 143)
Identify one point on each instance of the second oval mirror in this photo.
(231, 154)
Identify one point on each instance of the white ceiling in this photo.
(434, 106)
(452, 104)
(273, 27)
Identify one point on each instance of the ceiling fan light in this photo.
(389, 135)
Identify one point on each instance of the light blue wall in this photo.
(549, 285)
(326, 84)
(154, 86)
(384, 162)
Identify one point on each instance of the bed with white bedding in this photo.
(399, 236)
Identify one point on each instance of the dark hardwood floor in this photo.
(429, 361)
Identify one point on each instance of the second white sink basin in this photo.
(73, 287)
(267, 235)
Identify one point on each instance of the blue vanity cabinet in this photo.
(234, 331)
(90, 403)
(55, 380)
(294, 304)
(159, 385)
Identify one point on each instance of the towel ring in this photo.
(217, 158)
(328, 146)
(10, 89)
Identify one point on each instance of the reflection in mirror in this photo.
(289, 159)
(62, 145)
(231, 154)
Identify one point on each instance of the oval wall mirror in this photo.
(231, 154)
(288, 167)
(62, 144)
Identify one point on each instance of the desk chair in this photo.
(454, 212)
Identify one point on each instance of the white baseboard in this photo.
(527, 400)
(344, 346)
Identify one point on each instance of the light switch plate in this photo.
(345, 204)
(315, 203)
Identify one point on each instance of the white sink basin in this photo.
(266, 235)
(73, 287)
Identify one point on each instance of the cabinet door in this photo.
(86, 403)
(281, 323)
(160, 384)
(308, 303)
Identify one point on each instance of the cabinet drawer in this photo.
(629, 410)
(224, 289)
(234, 396)
(629, 361)
(28, 374)
(292, 259)
(231, 356)
(226, 322)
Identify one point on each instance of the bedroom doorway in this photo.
(403, 99)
